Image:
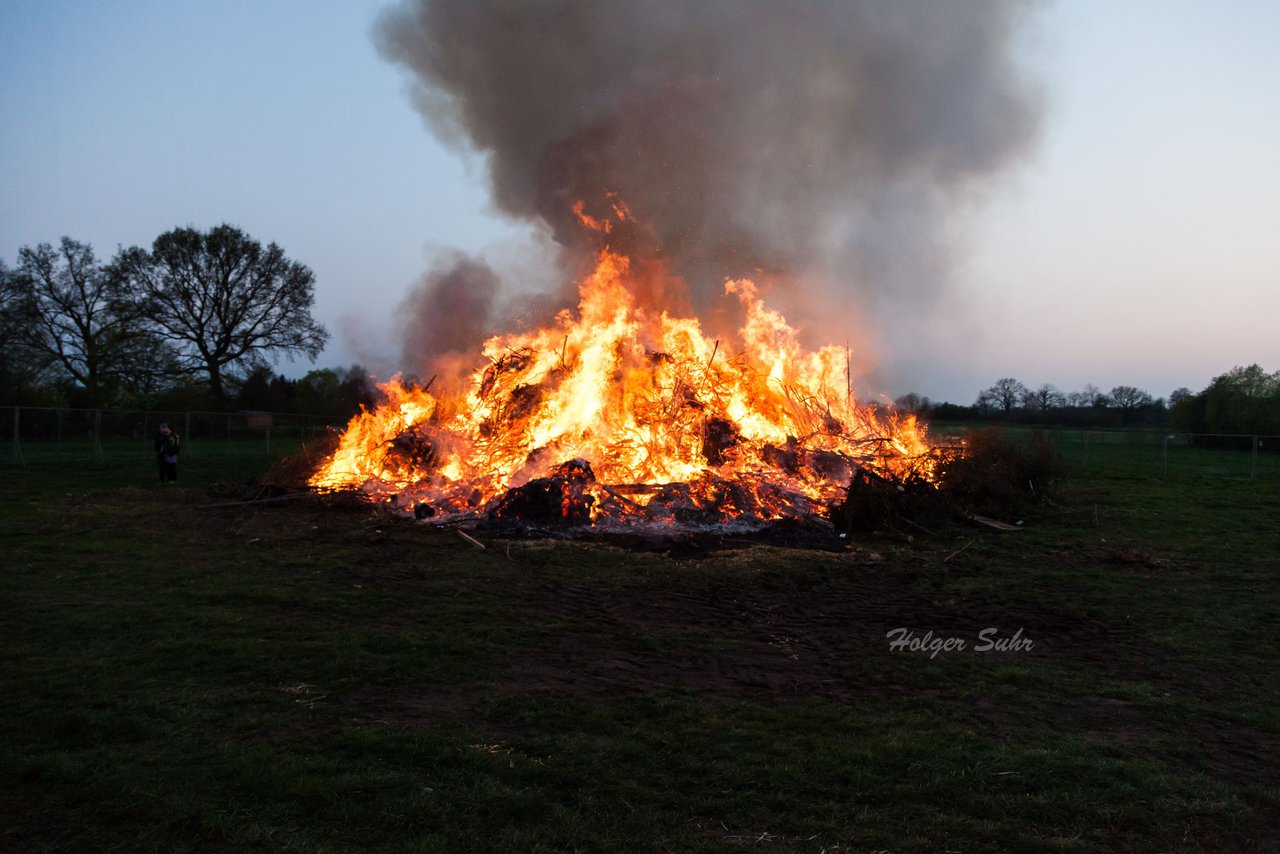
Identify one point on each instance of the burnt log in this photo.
(675, 502)
(786, 458)
(560, 499)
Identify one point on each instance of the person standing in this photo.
(167, 444)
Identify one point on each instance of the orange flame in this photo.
(665, 416)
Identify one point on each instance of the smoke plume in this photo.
(749, 135)
(448, 313)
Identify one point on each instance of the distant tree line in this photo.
(1241, 401)
(1009, 401)
(192, 322)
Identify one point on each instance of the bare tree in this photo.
(1127, 398)
(1043, 399)
(911, 402)
(62, 304)
(1086, 397)
(225, 302)
(11, 337)
(1004, 395)
(22, 367)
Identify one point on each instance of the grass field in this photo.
(294, 677)
(1155, 453)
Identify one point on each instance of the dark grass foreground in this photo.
(293, 677)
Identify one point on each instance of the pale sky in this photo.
(1140, 245)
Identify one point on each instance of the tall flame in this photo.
(647, 399)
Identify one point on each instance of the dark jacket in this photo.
(167, 446)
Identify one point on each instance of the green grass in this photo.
(1148, 453)
(291, 677)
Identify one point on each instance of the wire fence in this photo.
(31, 435)
(38, 435)
(1173, 455)
(1158, 453)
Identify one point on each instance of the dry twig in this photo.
(470, 539)
(957, 551)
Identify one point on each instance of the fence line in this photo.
(1167, 454)
(50, 435)
(1171, 455)
(38, 434)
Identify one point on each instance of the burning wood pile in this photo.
(621, 416)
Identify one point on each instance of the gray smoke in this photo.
(750, 135)
(448, 313)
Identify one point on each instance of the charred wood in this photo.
(560, 499)
(830, 466)
(786, 458)
(415, 446)
(719, 435)
(523, 401)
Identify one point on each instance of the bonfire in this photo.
(620, 415)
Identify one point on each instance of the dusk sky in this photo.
(1138, 244)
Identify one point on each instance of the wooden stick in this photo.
(622, 498)
(470, 539)
(641, 488)
(917, 526)
(993, 523)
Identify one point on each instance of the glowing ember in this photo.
(623, 415)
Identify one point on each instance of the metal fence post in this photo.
(97, 436)
(1253, 463)
(17, 442)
